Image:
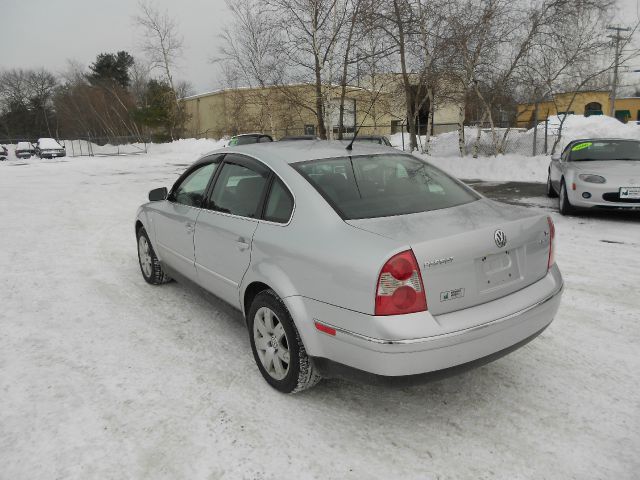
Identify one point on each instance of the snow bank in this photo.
(579, 126)
(503, 168)
(187, 145)
(520, 141)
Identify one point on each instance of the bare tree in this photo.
(251, 55)
(311, 29)
(572, 55)
(163, 44)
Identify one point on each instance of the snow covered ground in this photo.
(104, 376)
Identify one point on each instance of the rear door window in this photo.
(371, 186)
(239, 189)
(279, 203)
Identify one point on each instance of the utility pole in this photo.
(614, 87)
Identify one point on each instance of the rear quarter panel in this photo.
(317, 255)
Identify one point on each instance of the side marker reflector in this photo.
(325, 328)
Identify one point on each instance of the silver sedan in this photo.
(596, 173)
(365, 263)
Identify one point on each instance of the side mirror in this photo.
(158, 194)
(555, 157)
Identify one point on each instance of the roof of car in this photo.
(304, 150)
(604, 139)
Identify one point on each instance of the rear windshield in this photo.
(371, 186)
(599, 150)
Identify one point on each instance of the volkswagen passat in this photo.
(365, 262)
(596, 173)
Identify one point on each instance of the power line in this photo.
(614, 87)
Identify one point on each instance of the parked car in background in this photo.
(49, 148)
(246, 138)
(366, 263)
(596, 173)
(298, 137)
(24, 150)
(379, 139)
(4, 153)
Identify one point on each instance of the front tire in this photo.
(277, 347)
(149, 264)
(564, 204)
(551, 193)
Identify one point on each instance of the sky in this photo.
(47, 33)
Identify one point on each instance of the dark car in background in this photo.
(379, 139)
(49, 148)
(291, 138)
(3, 153)
(247, 138)
(24, 150)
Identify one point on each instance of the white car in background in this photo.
(49, 148)
(24, 150)
(596, 173)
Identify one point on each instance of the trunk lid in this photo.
(460, 260)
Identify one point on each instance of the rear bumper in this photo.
(330, 369)
(500, 329)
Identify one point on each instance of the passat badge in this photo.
(501, 238)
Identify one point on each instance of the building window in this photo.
(396, 126)
(623, 115)
(593, 108)
(309, 129)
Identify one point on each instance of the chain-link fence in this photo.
(443, 139)
(105, 146)
(482, 141)
(91, 146)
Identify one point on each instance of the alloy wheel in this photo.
(146, 262)
(272, 344)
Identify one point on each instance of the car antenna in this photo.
(350, 146)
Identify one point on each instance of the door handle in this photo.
(242, 244)
(190, 227)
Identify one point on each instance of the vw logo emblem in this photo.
(501, 238)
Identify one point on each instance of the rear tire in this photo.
(277, 347)
(551, 193)
(564, 205)
(149, 264)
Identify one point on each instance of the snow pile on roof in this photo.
(48, 143)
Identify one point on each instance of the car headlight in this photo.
(586, 177)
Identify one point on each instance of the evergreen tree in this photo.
(157, 110)
(111, 67)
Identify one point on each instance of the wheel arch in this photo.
(265, 276)
(250, 292)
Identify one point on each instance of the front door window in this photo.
(191, 190)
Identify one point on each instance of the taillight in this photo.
(552, 247)
(400, 289)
